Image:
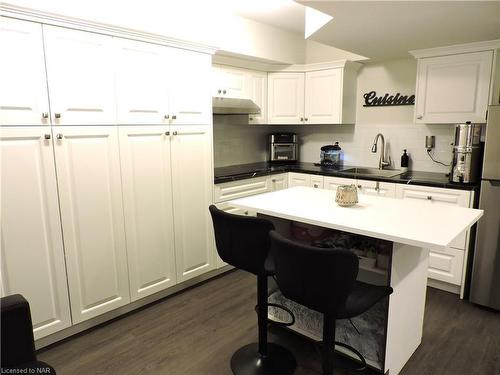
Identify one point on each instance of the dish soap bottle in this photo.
(404, 161)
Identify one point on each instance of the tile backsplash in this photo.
(236, 142)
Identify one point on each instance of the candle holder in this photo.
(347, 195)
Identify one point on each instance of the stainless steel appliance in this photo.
(466, 154)
(485, 283)
(283, 147)
(332, 156)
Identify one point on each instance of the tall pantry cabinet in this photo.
(106, 170)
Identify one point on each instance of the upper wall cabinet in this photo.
(80, 68)
(325, 96)
(142, 84)
(23, 93)
(230, 82)
(454, 88)
(258, 93)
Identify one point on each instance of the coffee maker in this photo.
(465, 167)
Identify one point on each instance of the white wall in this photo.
(395, 123)
(201, 21)
(318, 52)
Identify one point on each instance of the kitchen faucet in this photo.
(382, 162)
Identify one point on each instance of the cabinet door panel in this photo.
(258, 93)
(141, 82)
(278, 182)
(32, 250)
(147, 189)
(453, 89)
(323, 97)
(446, 265)
(285, 98)
(80, 70)
(192, 192)
(381, 189)
(88, 171)
(332, 183)
(190, 98)
(230, 82)
(298, 179)
(23, 93)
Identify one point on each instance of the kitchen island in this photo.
(407, 225)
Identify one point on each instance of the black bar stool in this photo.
(244, 243)
(323, 280)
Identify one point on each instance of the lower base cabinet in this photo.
(90, 196)
(446, 265)
(32, 249)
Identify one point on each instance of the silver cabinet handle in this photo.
(250, 118)
(246, 212)
(57, 115)
(59, 136)
(420, 117)
(305, 119)
(302, 119)
(166, 117)
(223, 91)
(175, 132)
(359, 186)
(167, 133)
(45, 115)
(429, 197)
(377, 186)
(273, 180)
(219, 91)
(174, 117)
(316, 186)
(46, 136)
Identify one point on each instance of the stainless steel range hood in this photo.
(232, 106)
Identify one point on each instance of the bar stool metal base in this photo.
(248, 361)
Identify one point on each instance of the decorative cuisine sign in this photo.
(372, 100)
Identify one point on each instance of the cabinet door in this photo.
(298, 179)
(317, 182)
(323, 97)
(278, 182)
(285, 98)
(80, 70)
(381, 189)
(88, 172)
(147, 200)
(230, 82)
(332, 183)
(446, 265)
(192, 192)
(23, 93)
(141, 83)
(453, 89)
(429, 195)
(32, 250)
(190, 100)
(258, 93)
(240, 188)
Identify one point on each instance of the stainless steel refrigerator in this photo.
(485, 283)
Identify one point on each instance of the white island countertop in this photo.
(419, 223)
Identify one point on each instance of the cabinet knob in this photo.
(219, 91)
(316, 185)
(302, 119)
(250, 118)
(174, 117)
(57, 115)
(273, 180)
(223, 91)
(166, 117)
(45, 115)
(167, 133)
(59, 136)
(429, 197)
(46, 136)
(246, 212)
(305, 119)
(175, 132)
(420, 117)
(359, 186)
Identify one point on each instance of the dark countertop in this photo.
(244, 171)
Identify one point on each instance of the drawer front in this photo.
(447, 265)
(331, 183)
(278, 182)
(299, 179)
(317, 182)
(226, 207)
(381, 189)
(429, 195)
(240, 189)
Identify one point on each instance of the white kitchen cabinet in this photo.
(453, 88)
(323, 96)
(142, 82)
(258, 93)
(32, 249)
(332, 183)
(230, 82)
(239, 189)
(192, 194)
(23, 94)
(446, 265)
(190, 100)
(90, 195)
(381, 189)
(147, 200)
(80, 72)
(278, 182)
(286, 98)
(305, 179)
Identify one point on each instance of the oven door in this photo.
(284, 152)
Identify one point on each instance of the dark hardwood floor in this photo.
(196, 331)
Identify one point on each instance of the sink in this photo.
(374, 172)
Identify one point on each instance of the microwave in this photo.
(283, 147)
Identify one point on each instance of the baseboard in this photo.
(455, 289)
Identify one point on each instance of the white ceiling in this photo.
(388, 29)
